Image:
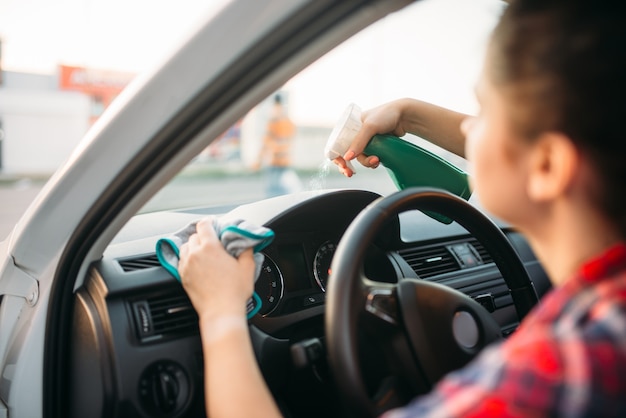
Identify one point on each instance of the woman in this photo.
(548, 155)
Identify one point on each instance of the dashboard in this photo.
(136, 349)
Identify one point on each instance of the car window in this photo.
(431, 50)
(61, 65)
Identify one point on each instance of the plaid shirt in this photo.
(567, 358)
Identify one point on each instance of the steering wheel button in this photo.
(313, 299)
(465, 255)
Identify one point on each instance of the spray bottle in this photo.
(408, 165)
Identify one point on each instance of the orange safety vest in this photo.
(278, 141)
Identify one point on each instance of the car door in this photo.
(160, 123)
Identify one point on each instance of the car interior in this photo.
(134, 347)
(136, 337)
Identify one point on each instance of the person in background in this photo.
(548, 150)
(275, 154)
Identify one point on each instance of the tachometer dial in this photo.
(321, 263)
(269, 286)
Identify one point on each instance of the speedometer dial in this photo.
(269, 286)
(321, 263)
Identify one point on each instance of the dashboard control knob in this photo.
(164, 388)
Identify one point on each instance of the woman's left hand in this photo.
(217, 283)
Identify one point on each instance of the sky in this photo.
(135, 35)
(126, 35)
(432, 50)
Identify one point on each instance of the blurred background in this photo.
(63, 63)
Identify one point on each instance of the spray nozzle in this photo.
(343, 133)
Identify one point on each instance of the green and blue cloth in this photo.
(236, 237)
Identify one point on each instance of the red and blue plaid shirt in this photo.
(567, 358)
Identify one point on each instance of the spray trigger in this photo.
(343, 133)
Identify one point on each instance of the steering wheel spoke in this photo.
(390, 372)
(381, 301)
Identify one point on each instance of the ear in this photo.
(553, 164)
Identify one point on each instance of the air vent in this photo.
(487, 286)
(446, 257)
(480, 249)
(164, 316)
(139, 263)
(429, 261)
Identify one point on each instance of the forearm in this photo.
(234, 385)
(436, 124)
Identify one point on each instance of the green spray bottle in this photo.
(408, 165)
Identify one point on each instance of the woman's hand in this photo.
(383, 119)
(219, 286)
(217, 283)
(436, 124)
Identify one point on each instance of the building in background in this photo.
(101, 86)
(44, 116)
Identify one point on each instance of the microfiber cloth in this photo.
(236, 236)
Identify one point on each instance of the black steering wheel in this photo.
(389, 342)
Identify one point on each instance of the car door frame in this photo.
(175, 112)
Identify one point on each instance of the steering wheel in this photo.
(389, 342)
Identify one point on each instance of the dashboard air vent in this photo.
(164, 316)
(430, 261)
(446, 257)
(139, 263)
(484, 255)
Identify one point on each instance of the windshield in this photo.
(431, 50)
